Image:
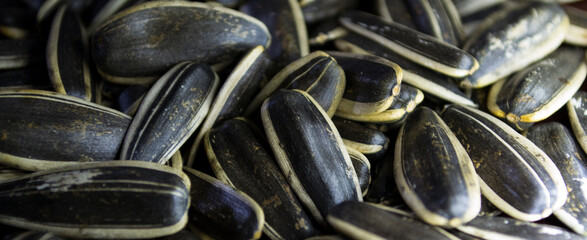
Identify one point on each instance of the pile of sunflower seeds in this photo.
(287, 119)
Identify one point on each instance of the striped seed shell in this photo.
(395, 11)
(438, 18)
(371, 83)
(221, 211)
(317, 73)
(577, 33)
(140, 43)
(41, 130)
(433, 171)
(370, 142)
(396, 114)
(236, 91)
(411, 44)
(362, 168)
(315, 11)
(310, 151)
(33, 235)
(240, 159)
(68, 56)
(170, 112)
(515, 175)
(538, 91)
(556, 140)
(358, 220)
(486, 227)
(115, 199)
(383, 188)
(428, 81)
(18, 53)
(108, 8)
(324, 32)
(577, 108)
(283, 18)
(511, 39)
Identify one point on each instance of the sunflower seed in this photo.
(170, 112)
(439, 184)
(556, 140)
(514, 38)
(309, 150)
(538, 91)
(116, 199)
(220, 211)
(41, 130)
(240, 159)
(141, 42)
(411, 44)
(515, 175)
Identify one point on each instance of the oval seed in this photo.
(317, 73)
(220, 211)
(439, 184)
(153, 31)
(67, 56)
(371, 83)
(538, 91)
(411, 44)
(41, 130)
(556, 140)
(170, 112)
(240, 159)
(115, 199)
(309, 150)
(514, 38)
(531, 186)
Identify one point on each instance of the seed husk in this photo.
(515, 175)
(68, 56)
(411, 44)
(428, 81)
(41, 130)
(396, 114)
(125, 52)
(236, 91)
(439, 184)
(512, 39)
(359, 220)
(541, 89)
(577, 108)
(362, 168)
(241, 159)
(577, 33)
(507, 228)
(438, 18)
(317, 73)
(170, 112)
(310, 151)
(284, 19)
(221, 211)
(371, 83)
(317, 11)
(367, 141)
(468, 7)
(556, 140)
(115, 199)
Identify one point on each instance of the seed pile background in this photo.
(287, 119)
